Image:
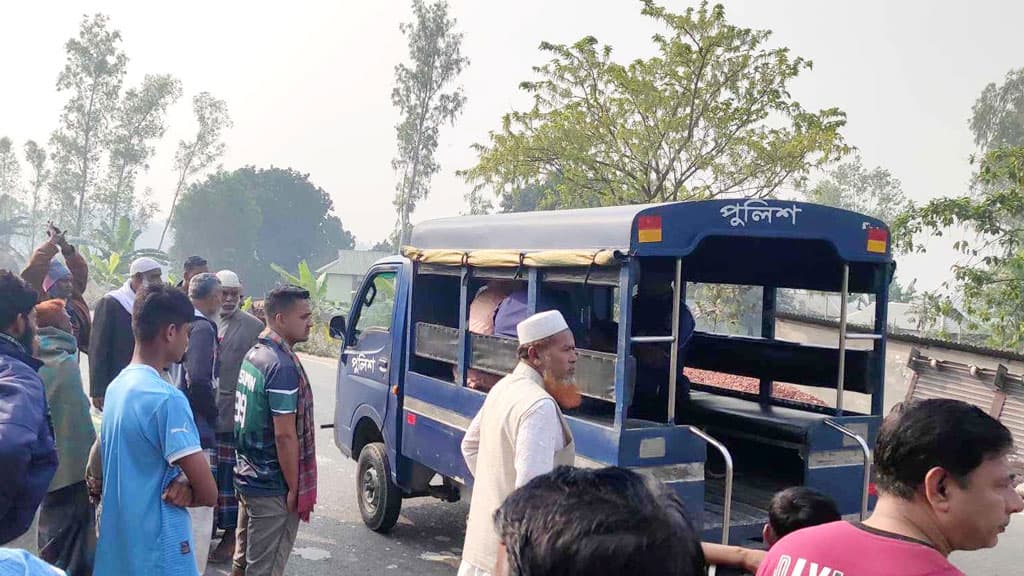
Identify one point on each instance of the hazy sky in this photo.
(308, 84)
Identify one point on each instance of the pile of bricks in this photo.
(749, 385)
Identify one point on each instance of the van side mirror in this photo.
(338, 328)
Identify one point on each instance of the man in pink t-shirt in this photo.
(481, 321)
(944, 483)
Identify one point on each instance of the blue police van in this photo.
(620, 275)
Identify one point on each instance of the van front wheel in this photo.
(380, 501)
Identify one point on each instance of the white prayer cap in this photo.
(143, 265)
(540, 326)
(229, 279)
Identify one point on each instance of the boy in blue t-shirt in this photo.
(149, 439)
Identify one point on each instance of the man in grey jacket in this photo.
(239, 331)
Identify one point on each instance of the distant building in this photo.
(345, 274)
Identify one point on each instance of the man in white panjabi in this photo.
(520, 432)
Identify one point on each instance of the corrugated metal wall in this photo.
(997, 392)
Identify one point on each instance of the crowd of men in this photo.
(207, 425)
(207, 421)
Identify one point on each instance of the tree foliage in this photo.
(92, 78)
(10, 169)
(197, 155)
(35, 155)
(851, 186)
(708, 115)
(425, 101)
(997, 117)
(13, 221)
(251, 218)
(990, 278)
(137, 122)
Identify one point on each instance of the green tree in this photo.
(251, 218)
(527, 199)
(10, 227)
(219, 218)
(12, 217)
(900, 293)
(710, 114)
(384, 246)
(35, 155)
(10, 169)
(997, 117)
(851, 186)
(990, 277)
(137, 121)
(435, 51)
(92, 77)
(199, 154)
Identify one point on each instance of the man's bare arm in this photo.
(286, 438)
(721, 555)
(196, 467)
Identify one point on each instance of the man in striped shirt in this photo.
(267, 443)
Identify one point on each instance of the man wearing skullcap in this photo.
(65, 280)
(112, 343)
(239, 332)
(520, 432)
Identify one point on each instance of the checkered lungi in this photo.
(227, 501)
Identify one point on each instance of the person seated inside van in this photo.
(482, 311)
(652, 316)
(513, 310)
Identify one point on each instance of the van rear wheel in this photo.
(380, 501)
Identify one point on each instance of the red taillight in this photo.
(872, 491)
(410, 419)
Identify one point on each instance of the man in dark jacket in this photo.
(28, 455)
(112, 344)
(194, 266)
(67, 281)
(198, 380)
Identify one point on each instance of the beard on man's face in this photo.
(564, 390)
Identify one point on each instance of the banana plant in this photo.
(104, 272)
(315, 285)
(120, 238)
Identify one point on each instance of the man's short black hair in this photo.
(800, 507)
(157, 307)
(16, 298)
(281, 298)
(596, 522)
(193, 262)
(925, 434)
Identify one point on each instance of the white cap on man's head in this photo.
(143, 265)
(229, 279)
(540, 326)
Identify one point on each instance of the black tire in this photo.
(380, 501)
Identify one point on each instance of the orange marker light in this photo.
(878, 240)
(648, 229)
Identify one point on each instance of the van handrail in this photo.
(727, 504)
(866, 450)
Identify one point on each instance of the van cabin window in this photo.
(377, 305)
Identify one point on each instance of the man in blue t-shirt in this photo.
(148, 439)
